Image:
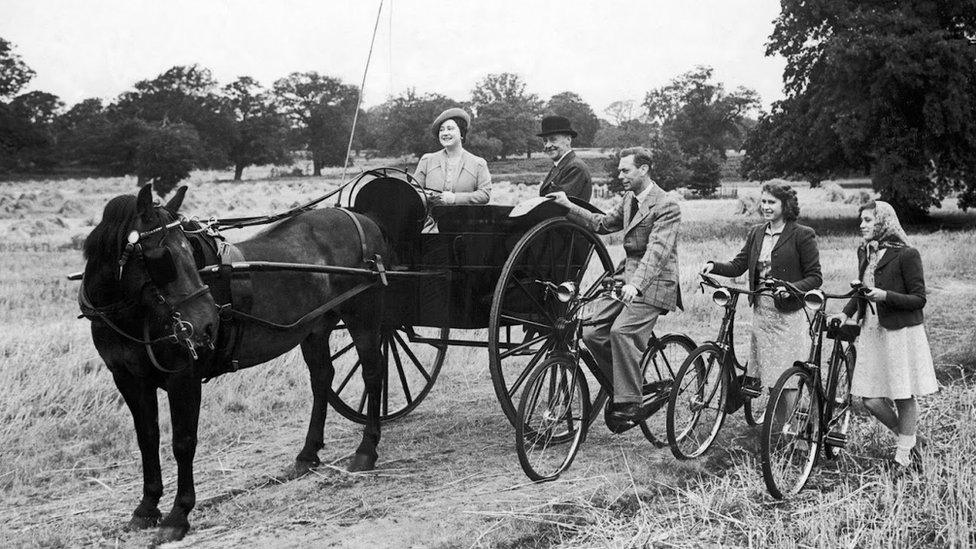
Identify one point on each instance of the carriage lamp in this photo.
(721, 297)
(813, 300)
(566, 291)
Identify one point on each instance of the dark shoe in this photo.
(750, 387)
(624, 416)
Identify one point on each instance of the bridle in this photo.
(178, 331)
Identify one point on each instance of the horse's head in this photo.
(141, 277)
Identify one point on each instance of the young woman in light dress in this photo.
(894, 363)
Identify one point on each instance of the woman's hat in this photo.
(556, 124)
(453, 112)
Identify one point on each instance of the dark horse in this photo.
(154, 323)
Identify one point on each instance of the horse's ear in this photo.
(144, 203)
(174, 203)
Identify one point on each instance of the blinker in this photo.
(160, 264)
(133, 237)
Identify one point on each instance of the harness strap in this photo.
(359, 229)
(311, 315)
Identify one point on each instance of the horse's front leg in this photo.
(184, 403)
(140, 397)
(374, 369)
(315, 349)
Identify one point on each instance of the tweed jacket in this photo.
(795, 258)
(899, 273)
(570, 175)
(650, 241)
(473, 184)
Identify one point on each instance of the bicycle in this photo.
(551, 419)
(813, 412)
(706, 388)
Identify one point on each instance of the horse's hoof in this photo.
(299, 469)
(141, 523)
(166, 534)
(362, 462)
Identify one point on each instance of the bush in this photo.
(706, 174)
(481, 145)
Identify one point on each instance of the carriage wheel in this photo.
(411, 369)
(524, 317)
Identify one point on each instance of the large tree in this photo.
(697, 115)
(883, 87)
(320, 110)
(579, 112)
(14, 73)
(258, 132)
(401, 125)
(506, 112)
(184, 95)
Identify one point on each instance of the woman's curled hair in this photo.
(787, 195)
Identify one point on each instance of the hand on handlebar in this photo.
(838, 319)
(876, 295)
(628, 293)
(707, 268)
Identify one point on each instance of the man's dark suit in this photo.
(570, 175)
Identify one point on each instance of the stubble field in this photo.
(447, 474)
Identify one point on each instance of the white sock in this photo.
(903, 449)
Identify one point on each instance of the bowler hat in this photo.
(556, 124)
(453, 112)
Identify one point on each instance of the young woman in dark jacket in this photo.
(894, 363)
(777, 248)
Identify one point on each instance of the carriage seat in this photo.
(397, 207)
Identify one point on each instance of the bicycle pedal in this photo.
(836, 439)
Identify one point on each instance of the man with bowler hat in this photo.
(568, 174)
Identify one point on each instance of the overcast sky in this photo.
(604, 50)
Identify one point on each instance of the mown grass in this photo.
(69, 470)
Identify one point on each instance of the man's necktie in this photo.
(634, 204)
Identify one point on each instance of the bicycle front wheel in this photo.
(696, 407)
(551, 419)
(790, 436)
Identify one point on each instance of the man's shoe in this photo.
(633, 412)
(750, 387)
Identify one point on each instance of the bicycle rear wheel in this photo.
(551, 419)
(661, 361)
(696, 407)
(791, 433)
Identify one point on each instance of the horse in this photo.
(156, 324)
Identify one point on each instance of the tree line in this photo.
(878, 88)
(184, 119)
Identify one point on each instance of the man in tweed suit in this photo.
(649, 219)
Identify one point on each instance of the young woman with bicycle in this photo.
(783, 249)
(894, 362)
